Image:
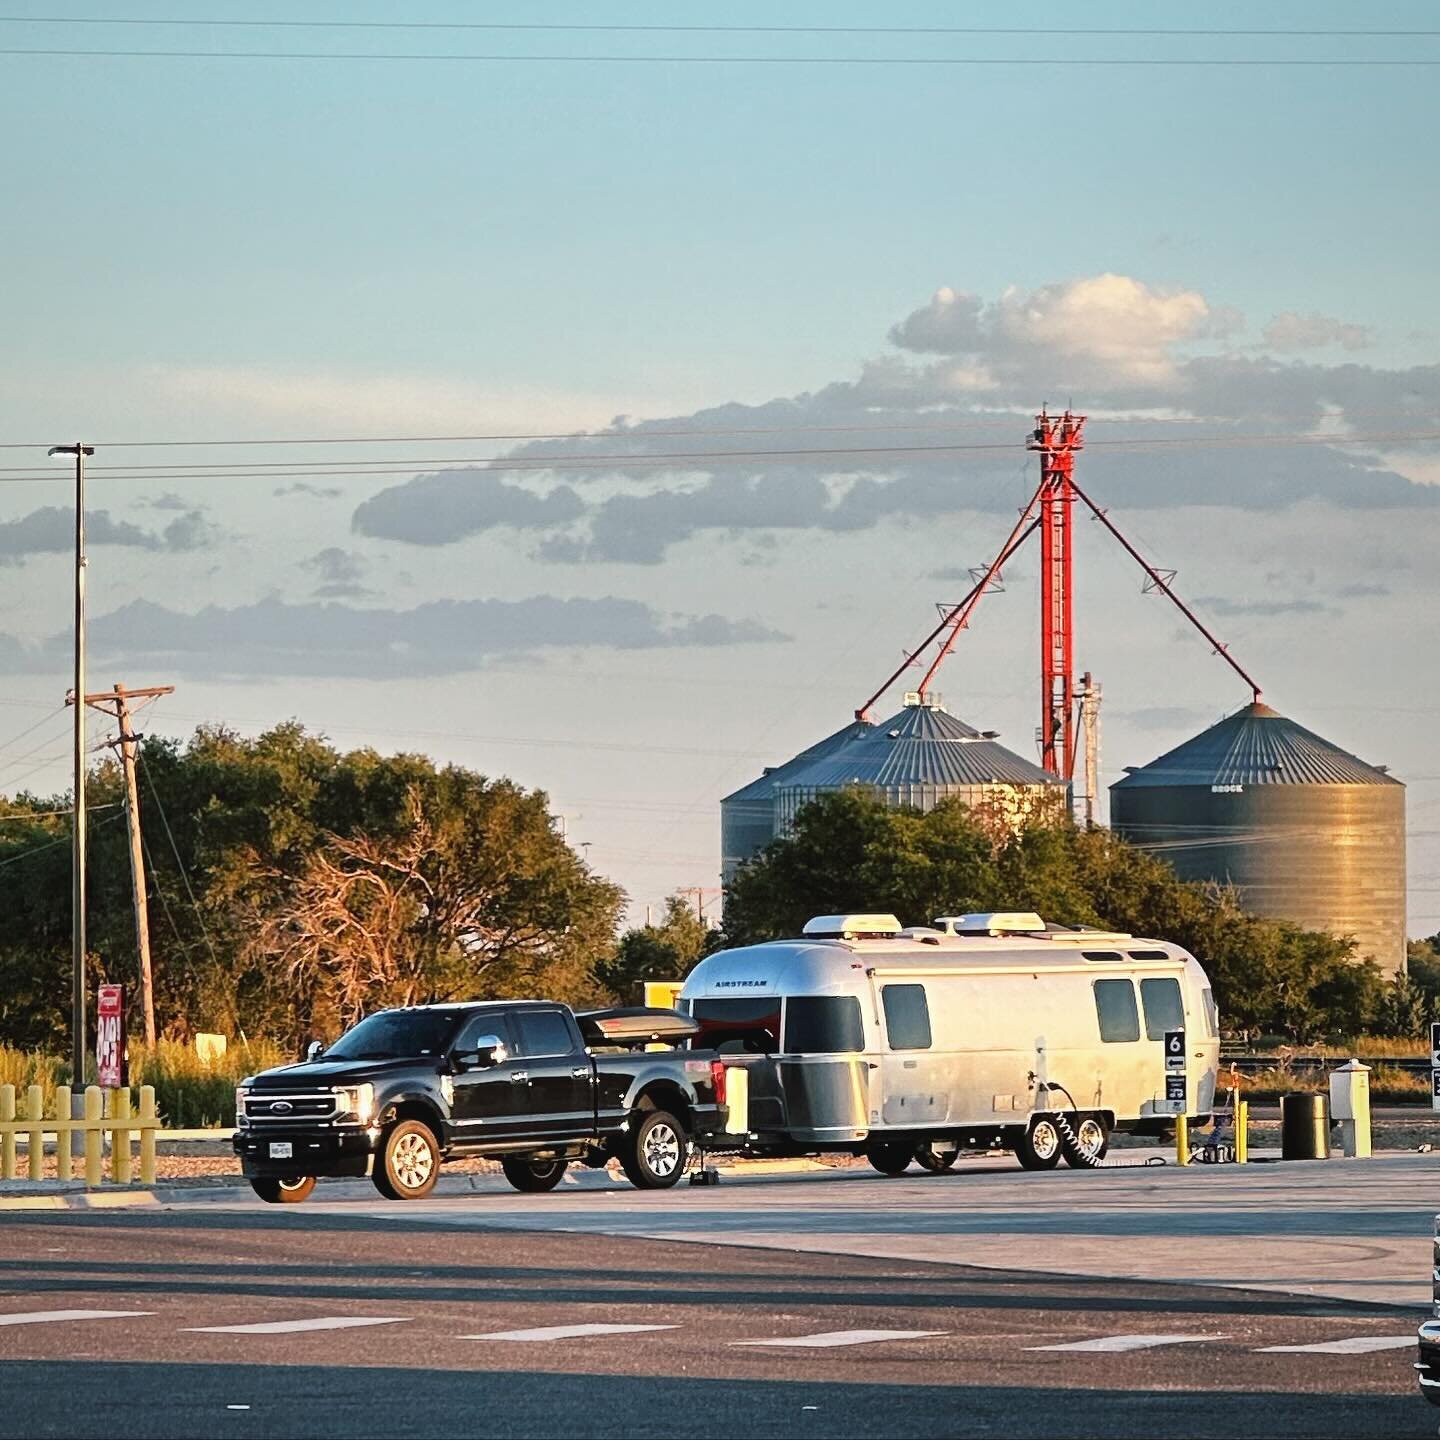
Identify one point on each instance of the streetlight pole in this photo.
(77, 817)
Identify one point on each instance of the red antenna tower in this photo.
(1057, 438)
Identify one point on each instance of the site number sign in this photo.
(1435, 1064)
(110, 1037)
(1174, 1049)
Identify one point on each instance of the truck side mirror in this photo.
(313, 1051)
(487, 1050)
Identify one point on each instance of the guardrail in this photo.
(121, 1124)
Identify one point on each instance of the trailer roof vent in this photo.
(991, 922)
(852, 927)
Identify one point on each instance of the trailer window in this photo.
(1115, 1005)
(907, 1017)
(748, 1027)
(1164, 1009)
(823, 1024)
(1212, 1015)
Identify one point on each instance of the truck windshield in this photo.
(396, 1035)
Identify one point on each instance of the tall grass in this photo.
(188, 1093)
(1388, 1084)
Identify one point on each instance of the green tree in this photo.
(667, 951)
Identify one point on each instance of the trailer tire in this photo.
(533, 1176)
(1085, 1148)
(936, 1161)
(1039, 1147)
(890, 1157)
(290, 1191)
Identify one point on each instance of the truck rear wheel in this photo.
(283, 1192)
(407, 1164)
(655, 1156)
(533, 1176)
(1039, 1147)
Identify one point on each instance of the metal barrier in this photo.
(1215, 1149)
(121, 1124)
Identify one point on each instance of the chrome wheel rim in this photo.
(1091, 1135)
(1045, 1139)
(662, 1150)
(299, 1184)
(412, 1160)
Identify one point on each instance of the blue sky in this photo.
(218, 249)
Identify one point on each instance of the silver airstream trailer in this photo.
(983, 1032)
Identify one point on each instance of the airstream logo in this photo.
(741, 984)
(1227, 789)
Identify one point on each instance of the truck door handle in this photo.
(519, 1077)
(581, 1072)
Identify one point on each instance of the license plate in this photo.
(282, 1150)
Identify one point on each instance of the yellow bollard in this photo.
(120, 1140)
(35, 1140)
(7, 1137)
(147, 1134)
(94, 1119)
(64, 1161)
(1182, 1139)
(1242, 1132)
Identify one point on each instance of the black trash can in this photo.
(1305, 1127)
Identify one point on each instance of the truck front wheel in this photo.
(532, 1175)
(283, 1192)
(655, 1155)
(407, 1164)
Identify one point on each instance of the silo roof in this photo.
(922, 745)
(763, 787)
(1256, 746)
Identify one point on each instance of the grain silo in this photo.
(1304, 830)
(920, 757)
(747, 818)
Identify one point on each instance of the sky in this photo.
(1230, 268)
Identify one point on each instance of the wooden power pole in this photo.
(116, 702)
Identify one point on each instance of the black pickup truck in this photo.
(528, 1082)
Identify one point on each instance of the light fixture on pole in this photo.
(77, 817)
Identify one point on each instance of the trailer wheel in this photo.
(890, 1157)
(1092, 1141)
(936, 1161)
(283, 1192)
(1039, 1147)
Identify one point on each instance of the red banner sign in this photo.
(110, 1037)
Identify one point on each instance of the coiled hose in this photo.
(1075, 1154)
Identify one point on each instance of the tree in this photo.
(667, 951)
(850, 852)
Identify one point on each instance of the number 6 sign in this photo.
(110, 1037)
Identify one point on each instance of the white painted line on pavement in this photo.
(829, 1338)
(567, 1332)
(1114, 1344)
(293, 1327)
(42, 1317)
(1359, 1345)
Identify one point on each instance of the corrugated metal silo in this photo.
(920, 757)
(1304, 830)
(747, 818)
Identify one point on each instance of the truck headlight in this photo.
(355, 1102)
(241, 1120)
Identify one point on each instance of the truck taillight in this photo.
(717, 1079)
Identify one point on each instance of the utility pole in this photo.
(1089, 698)
(700, 892)
(77, 819)
(120, 699)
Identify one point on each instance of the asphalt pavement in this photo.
(223, 1321)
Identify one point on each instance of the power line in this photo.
(867, 61)
(222, 23)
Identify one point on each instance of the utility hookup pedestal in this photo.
(1350, 1105)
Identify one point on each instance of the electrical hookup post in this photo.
(1435, 1064)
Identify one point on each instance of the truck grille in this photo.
(278, 1109)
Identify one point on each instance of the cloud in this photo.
(934, 428)
(1362, 590)
(274, 638)
(168, 501)
(441, 508)
(302, 487)
(51, 531)
(341, 574)
(1224, 605)
(1290, 330)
